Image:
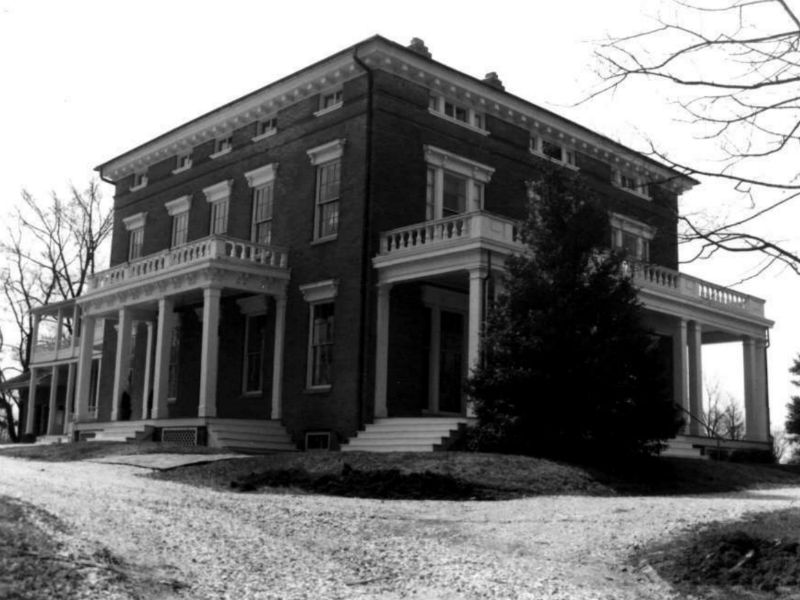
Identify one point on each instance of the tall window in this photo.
(455, 185)
(631, 236)
(180, 229)
(262, 214)
(321, 345)
(135, 243)
(219, 217)
(320, 297)
(134, 225)
(218, 196)
(327, 211)
(255, 326)
(172, 368)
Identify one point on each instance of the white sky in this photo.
(82, 81)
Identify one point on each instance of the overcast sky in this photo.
(84, 81)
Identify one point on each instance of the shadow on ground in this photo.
(756, 558)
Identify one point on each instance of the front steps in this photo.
(253, 437)
(119, 431)
(679, 447)
(420, 434)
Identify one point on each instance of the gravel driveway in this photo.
(230, 545)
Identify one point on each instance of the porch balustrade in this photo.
(210, 248)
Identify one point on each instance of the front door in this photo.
(451, 362)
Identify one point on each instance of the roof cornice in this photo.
(381, 53)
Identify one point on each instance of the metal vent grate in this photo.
(184, 436)
(85, 436)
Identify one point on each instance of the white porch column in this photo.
(124, 327)
(31, 408)
(382, 350)
(209, 353)
(277, 356)
(166, 322)
(680, 369)
(755, 390)
(695, 376)
(51, 413)
(69, 400)
(84, 369)
(148, 370)
(59, 330)
(434, 360)
(475, 324)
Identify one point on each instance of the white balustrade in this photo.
(210, 248)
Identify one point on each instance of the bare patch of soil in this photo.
(755, 558)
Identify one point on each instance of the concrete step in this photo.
(406, 434)
(250, 436)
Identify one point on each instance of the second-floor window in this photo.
(134, 225)
(135, 243)
(327, 206)
(180, 229)
(631, 237)
(454, 185)
(262, 214)
(218, 196)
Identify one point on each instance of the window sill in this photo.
(324, 240)
(634, 192)
(136, 188)
(181, 169)
(325, 111)
(555, 161)
(265, 135)
(221, 153)
(469, 126)
(317, 389)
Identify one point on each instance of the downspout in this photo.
(766, 387)
(363, 355)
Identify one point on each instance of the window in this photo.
(266, 128)
(94, 387)
(139, 180)
(321, 345)
(632, 183)
(455, 185)
(172, 367)
(218, 196)
(326, 217)
(320, 296)
(183, 162)
(254, 334)
(135, 228)
(327, 159)
(261, 181)
(262, 214)
(178, 210)
(222, 146)
(631, 236)
(555, 151)
(329, 101)
(454, 111)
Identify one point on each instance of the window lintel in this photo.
(633, 226)
(320, 291)
(452, 162)
(326, 152)
(135, 221)
(218, 191)
(179, 205)
(261, 175)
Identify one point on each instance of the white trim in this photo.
(450, 119)
(223, 152)
(641, 183)
(458, 164)
(326, 152)
(320, 291)
(179, 205)
(629, 225)
(142, 185)
(261, 175)
(182, 169)
(218, 191)
(136, 221)
(325, 111)
(263, 136)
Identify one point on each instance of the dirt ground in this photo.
(225, 544)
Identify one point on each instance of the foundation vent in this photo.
(183, 436)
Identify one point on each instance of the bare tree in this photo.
(733, 66)
(50, 251)
(724, 417)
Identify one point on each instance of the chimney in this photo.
(493, 80)
(418, 46)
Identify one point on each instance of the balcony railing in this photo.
(211, 248)
(678, 284)
(430, 234)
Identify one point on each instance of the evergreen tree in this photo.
(793, 408)
(567, 368)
